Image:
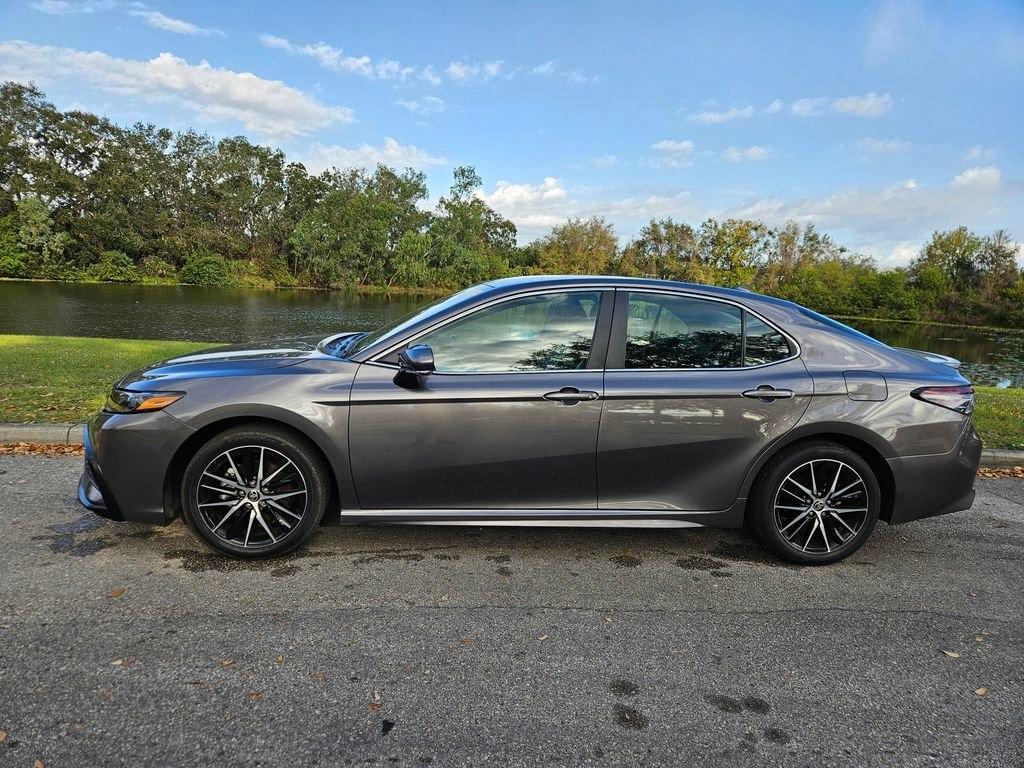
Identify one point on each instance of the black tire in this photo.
(830, 526)
(283, 513)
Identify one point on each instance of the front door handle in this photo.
(570, 395)
(767, 393)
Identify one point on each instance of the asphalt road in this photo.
(126, 645)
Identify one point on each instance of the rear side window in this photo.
(764, 344)
(667, 331)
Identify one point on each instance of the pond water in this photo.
(990, 356)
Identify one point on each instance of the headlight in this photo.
(126, 401)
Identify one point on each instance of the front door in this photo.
(508, 420)
(695, 390)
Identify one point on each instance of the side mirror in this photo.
(415, 363)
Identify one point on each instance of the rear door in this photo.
(695, 389)
(508, 420)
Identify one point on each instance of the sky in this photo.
(877, 122)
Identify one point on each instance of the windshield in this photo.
(360, 343)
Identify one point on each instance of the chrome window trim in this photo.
(704, 297)
(376, 359)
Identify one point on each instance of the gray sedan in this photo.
(580, 401)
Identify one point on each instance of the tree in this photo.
(664, 249)
(578, 247)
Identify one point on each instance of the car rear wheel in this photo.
(815, 504)
(255, 491)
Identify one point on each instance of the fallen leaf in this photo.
(3, 736)
(979, 639)
(38, 764)
(116, 592)
(127, 661)
(318, 676)
(543, 637)
(279, 659)
(108, 695)
(983, 691)
(952, 654)
(227, 663)
(373, 707)
(256, 695)
(466, 641)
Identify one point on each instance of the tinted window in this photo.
(764, 343)
(664, 331)
(547, 332)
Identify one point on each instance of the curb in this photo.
(65, 434)
(71, 434)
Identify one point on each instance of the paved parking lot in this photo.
(125, 645)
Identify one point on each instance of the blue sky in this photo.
(879, 122)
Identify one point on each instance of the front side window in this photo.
(665, 331)
(544, 332)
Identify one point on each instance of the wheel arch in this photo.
(287, 421)
(866, 444)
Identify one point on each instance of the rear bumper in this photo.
(126, 462)
(926, 486)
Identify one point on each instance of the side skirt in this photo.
(569, 518)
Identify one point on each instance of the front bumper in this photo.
(126, 461)
(926, 486)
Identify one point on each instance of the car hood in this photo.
(251, 358)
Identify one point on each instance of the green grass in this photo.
(999, 417)
(65, 379)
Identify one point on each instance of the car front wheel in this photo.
(815, 504)
(255, 491)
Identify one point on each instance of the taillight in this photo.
(960, 398)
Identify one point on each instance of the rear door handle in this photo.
(767, 392)
(570, 395)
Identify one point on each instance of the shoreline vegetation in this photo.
(82, 198)
(60, 379)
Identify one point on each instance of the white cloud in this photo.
(469, 71)
(336, 60)
(268, 107)
(390, 153)
(747, 155)
(424, 105)
(894, 211)
(607, 160)
(674, 147)
(978, 152)
(774, 107)
(158, 20)
(552, 69)
(876, 146)
(672, 153)
(714, 118)
(892, 25)
(535, 208)
(869, 105)
(429, 75)
(68, 7)
(980, 177)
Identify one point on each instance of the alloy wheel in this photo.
(821, 505)
(251, 496)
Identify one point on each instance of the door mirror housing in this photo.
(415, 363)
